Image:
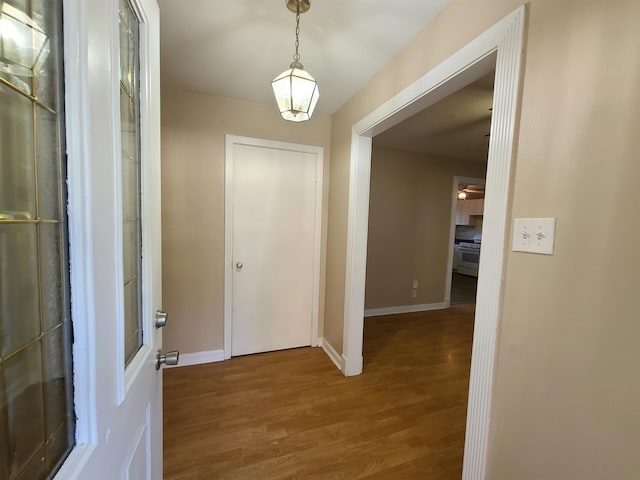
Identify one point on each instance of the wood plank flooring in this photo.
(293, 415)
(463, 289)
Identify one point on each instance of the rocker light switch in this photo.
(534, 235)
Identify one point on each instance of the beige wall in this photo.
(409, 226)
(566, 392)
(193, 135)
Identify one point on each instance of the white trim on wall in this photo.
(452, 238)
(502, 45)
(199, 358)
(331, 352)
(424, 307)
(230, 141)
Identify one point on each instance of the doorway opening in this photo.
(414, 301)
(466, 225)
(416, 223)
(501, 46)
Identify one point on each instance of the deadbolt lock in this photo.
(161, 319)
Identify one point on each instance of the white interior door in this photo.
(118, 392)
(274, 213)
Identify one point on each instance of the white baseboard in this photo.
(197, 358)
(425, 307)
(335, 357)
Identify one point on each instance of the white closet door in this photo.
(273, 232)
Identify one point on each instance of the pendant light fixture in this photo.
(296, 91)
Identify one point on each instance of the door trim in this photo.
(503, 44)
(230, 141)
(81, 227)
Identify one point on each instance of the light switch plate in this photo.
(534, 235)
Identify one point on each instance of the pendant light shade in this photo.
(296, 93)
(295, 89)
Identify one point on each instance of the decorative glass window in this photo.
(36, 390)
(131, 177)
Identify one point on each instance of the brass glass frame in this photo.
(37, 421)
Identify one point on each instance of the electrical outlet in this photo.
(415, 284)
(414, 293)
(534, 235)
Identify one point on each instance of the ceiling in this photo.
(455, 127)
(234, 48)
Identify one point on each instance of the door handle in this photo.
(169, 358)
(161, 319)
(239, 266)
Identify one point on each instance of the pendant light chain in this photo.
(296, 56)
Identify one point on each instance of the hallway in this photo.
(291, 414)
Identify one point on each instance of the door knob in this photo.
(169, 358)
(161, 319)
(239, 266)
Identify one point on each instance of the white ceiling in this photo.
(234, 48)
(455, 127)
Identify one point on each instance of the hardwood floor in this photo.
(293, 415)
(463, 289)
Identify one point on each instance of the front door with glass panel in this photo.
(80, 277)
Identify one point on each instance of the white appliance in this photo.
(469, 258)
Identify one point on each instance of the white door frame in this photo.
(502, 43)
(452, 232)
(230, 141)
